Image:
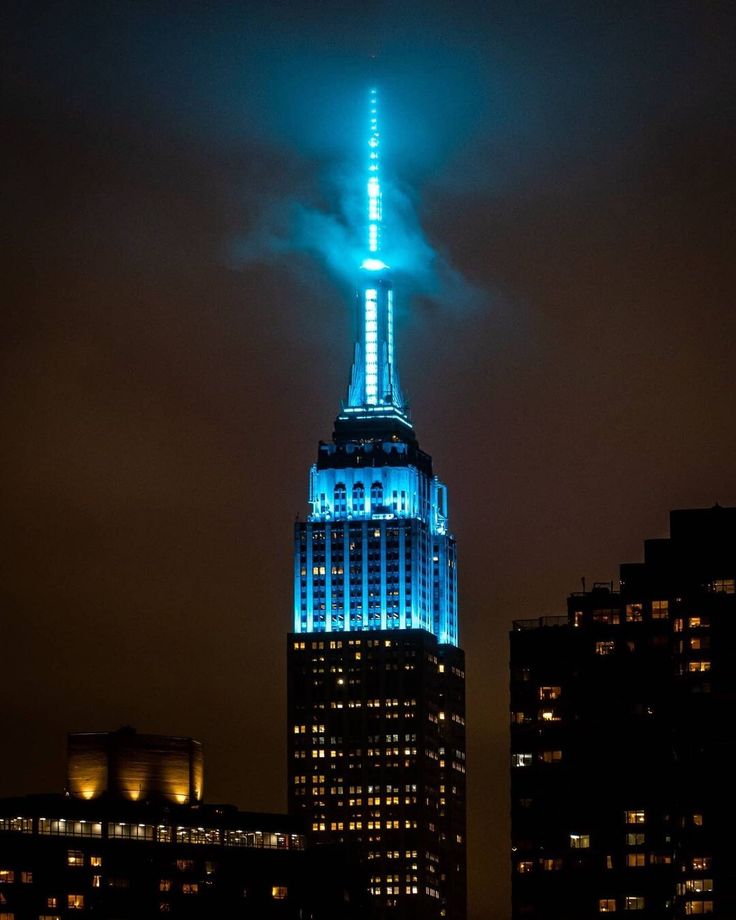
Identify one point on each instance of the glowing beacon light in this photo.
(374, 182)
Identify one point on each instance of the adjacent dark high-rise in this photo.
(376, 708)
(622, 741)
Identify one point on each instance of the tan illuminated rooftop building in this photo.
(124, 764)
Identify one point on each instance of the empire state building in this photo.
(376, 679)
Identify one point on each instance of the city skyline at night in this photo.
(186, 191)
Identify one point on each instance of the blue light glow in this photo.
(373, 265)
(375, 552)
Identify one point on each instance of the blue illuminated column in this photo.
(375, 553)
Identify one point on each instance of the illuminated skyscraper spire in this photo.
(374, 392)
(374, 183)
(375, 634)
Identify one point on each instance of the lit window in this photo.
(634, 613)
(698, 666)
(607, 905)
(521, 760)
(698, 884)
(52, 902)
(551, 865)
(606, 647)
(633, 902)
(74, 858)
(279, 892)
(635, 817)
(725, 585)
(660, 610)
(164, 884)
(635, 840)
(525, 866)
(75, 901)
(7, 876)
(698, 820)
(549, 693)
(96, 881)
(635, 860)
(26, 877)
(701, 862)
(551, 756)
(95, 861)
(580, 841)
(548, 715)
(190, 888)
(660, 859)
(698, 907)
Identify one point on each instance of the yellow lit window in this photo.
(52, 902)
(698, 820)
(698, 884)
(635, 817)
(551, 865)
(607, 905)
(525, 866)
(551, 756)
(96, 881)
(547, 694)
(606, 647)
(698, 666)
(634, 613)
(635, 860)
(701, 862)
(580, 841)
(75, 901)
(190, 888)
(95, 861)
(7, 876)
(633, 902)
(26, 877)
(635, 840)
(74, 858)
(660, 610)
(698, 907)
(279, 892)
(164, 884)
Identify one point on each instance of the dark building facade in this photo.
(376, 703)
(622, 741)
(123, 857)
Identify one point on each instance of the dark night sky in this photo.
(176, 340)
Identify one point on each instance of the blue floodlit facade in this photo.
(375, 552)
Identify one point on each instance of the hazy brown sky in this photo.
(166, 382)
